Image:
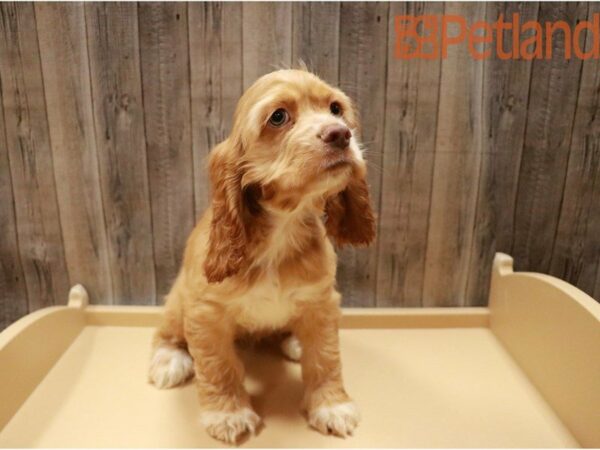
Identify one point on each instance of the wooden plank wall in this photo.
(108, 111)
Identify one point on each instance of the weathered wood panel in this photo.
(267, 38)
(108, 124)
(363, 56)
(547, 141)
(505, 99)
(458, 152)
(316, 38)
(215, 34)
(63, 49)
(412, 97)
(596, 291)
(13, 291)
(166, 90)
(112, 36)
(576, 250)
(30, 156)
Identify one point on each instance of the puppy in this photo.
(288, 180)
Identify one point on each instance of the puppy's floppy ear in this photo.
(350, 218)
(227, 240)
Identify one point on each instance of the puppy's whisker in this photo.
(367, 142)
(373, 154)
(375, 168)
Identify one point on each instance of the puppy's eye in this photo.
(335, 108)
(279, 118)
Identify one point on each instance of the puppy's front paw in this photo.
(170, 366)
(230, 426)
(292, 348)
(340, 419)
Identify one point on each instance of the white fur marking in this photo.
(355, 148)
(170, 366)
(291, 348)
(340, 419)
(228, 427)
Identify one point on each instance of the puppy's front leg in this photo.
(329, 407)
(226, 410)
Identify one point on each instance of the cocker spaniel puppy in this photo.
(288, 180)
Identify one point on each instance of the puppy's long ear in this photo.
(350, 218)
(227, 240)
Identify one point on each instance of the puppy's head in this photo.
(293, 142)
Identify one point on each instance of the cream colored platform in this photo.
(76, 377)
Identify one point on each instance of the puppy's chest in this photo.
(271, 303)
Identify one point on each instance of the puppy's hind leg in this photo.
(171, 363)
(170, 366)
(291, 347)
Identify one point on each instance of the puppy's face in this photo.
(298, 136)
(293, 142)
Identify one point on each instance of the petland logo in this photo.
(430, 37)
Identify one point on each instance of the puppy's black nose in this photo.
(337, 136)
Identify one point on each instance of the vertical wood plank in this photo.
(104, 132)
(30, 156)
(596, 293)
(363, 55)
(112, 36)
(546, 150)
(215, 35)
(456, 171)
(13, 297)
(316, 35)
(267, 38)
(505, 99)
(65, 68)
(412, 98)
(576, 250)
(163, 29)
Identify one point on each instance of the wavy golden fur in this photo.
(289, 177)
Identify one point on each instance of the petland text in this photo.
(430, 37)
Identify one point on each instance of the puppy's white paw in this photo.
(230, 426)
(340, 419)
(291, 348)
(170, 366)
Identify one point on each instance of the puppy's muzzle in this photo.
(336, 136)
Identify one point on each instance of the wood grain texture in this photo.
(64, 57)
(363, 56)
(409, 143)
(550, 115)
(456, 172)
(596, 292)
(316, 38)
(112, 36)
(109, 110)
(13, 290)
(267, 38)
(215, 35)
(576, 249)
(163, 29)
(30, 155)
(505, 99)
